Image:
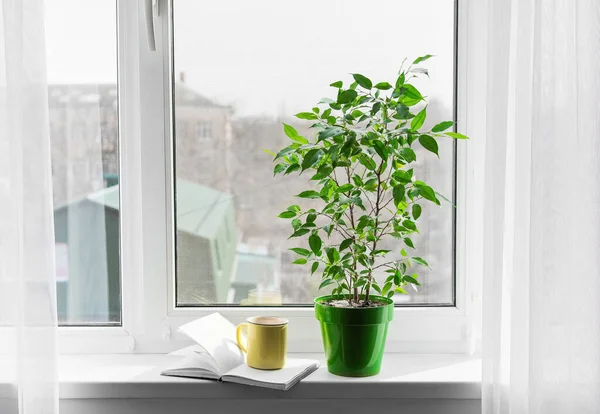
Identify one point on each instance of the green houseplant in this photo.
(361, 164)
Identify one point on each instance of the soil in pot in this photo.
(343, 303)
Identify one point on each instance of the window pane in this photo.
(246, 69)
(82, 92)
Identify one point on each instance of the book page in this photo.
(216, 335)
(192, 364)
(294, 370)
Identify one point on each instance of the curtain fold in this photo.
(541, 278)
(27, 282)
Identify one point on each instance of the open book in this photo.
(217, 356)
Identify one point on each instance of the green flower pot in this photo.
(354, 338)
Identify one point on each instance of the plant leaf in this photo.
(422, 59)
(287, 214)
(418, 120)
(456, 135)
(290, 131)
(362, 80)
(300, 232)
(398, 193)
(420, 261)
(416, 211)
(300, 251)
(412, 280)
(300, 261)
(306, 115)
(384, 86)
(345, 244)
(309, 194)
(315, 243)
(311, 158)
(442, 126)
(368, 162)
(429, 143)
(409, 242)
(337, 84)
(428, 194)
(314, 267)
(325, 282)
(347, 96)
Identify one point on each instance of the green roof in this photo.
(200, 209)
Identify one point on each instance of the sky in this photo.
(265, 57)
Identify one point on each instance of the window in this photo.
(185, 222)
(203, 130)
(249, 84)
(82, 93)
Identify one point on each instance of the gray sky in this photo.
(271, 57)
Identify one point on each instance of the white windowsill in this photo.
(138, 376)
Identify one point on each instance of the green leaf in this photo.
(300, 251)
(337, 84)
(368, 162)
(456, 135)
(294, 207)
(279, 168)
(398, 193)
(442, 126)
(325, 283)
(285, 151)
(411, 95)
(314, 267)
(330, 132)
(399, 290)
(418, 120)
(314, 241)
(287, 214)
(290, 131)
(345, 244)
(344, 188)
(409, 242)
(296, 224)
(421, 59)
(380, 149)
(416, 211)
(428, 194)
(384, 86)
(411, 279)
(311, 218)
(386, 288)
(292, 168)
(420, 261)
(311, 158)
(362, 80)
(429, 143)
(347, 96)
(309, 194)
(306, 115)
(300, 261)
(300, 232)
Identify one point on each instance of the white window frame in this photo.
(149, 315)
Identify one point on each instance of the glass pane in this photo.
(81, 47)
(241, 72)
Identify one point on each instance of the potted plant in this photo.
(361, 164)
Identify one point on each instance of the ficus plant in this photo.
(361, 162)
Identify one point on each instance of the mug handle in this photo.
(238, 335)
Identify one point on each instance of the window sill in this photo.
(403, 376)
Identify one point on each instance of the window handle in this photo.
(150, 10)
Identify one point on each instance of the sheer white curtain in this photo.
(27, 285)
(541, 279)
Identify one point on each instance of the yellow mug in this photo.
(267, 341)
